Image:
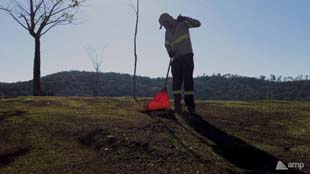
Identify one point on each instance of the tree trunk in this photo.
(135, 52)
(36, 68)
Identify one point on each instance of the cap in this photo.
(164, 17)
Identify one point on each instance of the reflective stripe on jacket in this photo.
(178, 39)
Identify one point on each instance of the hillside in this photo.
(216, 87)
(111, 135)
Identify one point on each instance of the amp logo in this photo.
(292, 165)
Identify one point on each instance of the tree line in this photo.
(213, 87)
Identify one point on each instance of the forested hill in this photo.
(215, 87)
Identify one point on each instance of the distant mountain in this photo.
(215, 87)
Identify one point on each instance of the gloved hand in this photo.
(171, 54)
(181, 18)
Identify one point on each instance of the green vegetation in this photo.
(111, 135)
(215, 87)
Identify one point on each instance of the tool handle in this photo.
(166, 81)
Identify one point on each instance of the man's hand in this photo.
(181, 18)
(171, 54)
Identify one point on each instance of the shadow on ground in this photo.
(170, 116)
(231, 148)
(9, 157)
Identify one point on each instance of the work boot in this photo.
(190, 103)
(191, 110)
(178, 108)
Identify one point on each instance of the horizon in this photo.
(196, 76)
(248, 38)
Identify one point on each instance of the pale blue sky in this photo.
(246, 37)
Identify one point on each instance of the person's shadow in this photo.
(233, 149)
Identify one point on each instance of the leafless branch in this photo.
(9, 11)
(95, 58)
(42, 15)
(133, 8)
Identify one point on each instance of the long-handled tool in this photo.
(161, 100)
(166, 80)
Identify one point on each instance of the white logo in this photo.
(281, 166)
(296, 165)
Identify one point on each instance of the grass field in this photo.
(111, 135)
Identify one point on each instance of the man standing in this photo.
(179, 48)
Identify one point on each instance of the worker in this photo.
(179, 48)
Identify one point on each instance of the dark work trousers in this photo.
(182, 72)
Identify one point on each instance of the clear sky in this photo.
(245, 37)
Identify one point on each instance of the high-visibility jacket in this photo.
(178, 38)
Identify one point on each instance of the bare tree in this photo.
(38, 17)
(96, 60)
(279, 78)
(136, 10)
(299, 78)
(272, 78)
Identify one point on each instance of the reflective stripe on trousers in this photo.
(185, 92)
(188, 92)
(177, 92)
